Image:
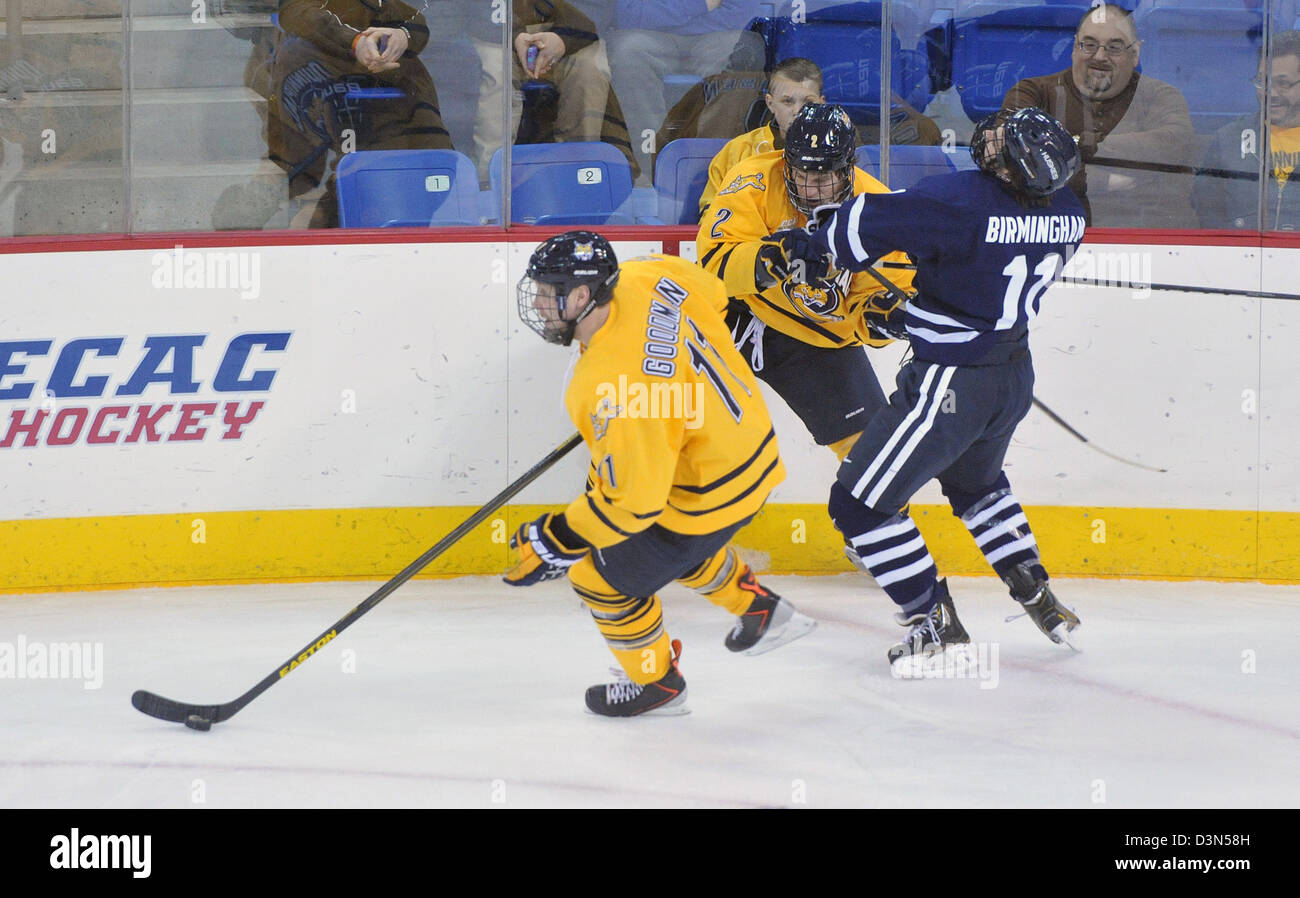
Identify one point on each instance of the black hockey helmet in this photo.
(821, 139)
(563, 263)
(1034, 153)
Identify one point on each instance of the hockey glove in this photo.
(548, 547)
(820, 217)
(770, 266)
(885, 317)
(790, 255)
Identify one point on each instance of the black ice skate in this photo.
(769, 622)
(931, 633)
(623, 698)
(1053, 618)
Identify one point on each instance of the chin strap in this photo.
(573, 325)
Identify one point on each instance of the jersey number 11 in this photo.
(1018, 272)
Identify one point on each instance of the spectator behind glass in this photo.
(794, 82)
(1227, 196)
(570, 58)
(345, 77)
(656, 38)
(1117, 114)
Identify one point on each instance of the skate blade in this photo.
(675, 708)
(797, 626)
(1066, 636)
(938, 665)
(672, 709)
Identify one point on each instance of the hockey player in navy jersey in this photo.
(987, 244)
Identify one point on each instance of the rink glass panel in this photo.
(230, 114)
(62, 104)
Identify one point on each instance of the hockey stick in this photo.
(899, 295)
(1180, 288)
(1175, 168)
(201, 717)
(1083, 439)
(1176, 288)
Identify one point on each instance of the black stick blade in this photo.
(165, 709)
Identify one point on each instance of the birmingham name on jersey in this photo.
(1034, 229)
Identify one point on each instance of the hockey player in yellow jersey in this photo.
(803, 333)
(793, 83)
(683, 455)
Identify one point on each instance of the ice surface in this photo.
(468, 693)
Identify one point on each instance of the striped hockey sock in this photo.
(633, 626)
(896, 555)
(1001, 530)
(720, 579)
(889, 547)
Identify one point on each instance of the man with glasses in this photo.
(1227, 193)
(1130, 127)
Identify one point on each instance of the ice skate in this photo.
(1056, 621)
(623, 698)
(769, 622)
(932, 633)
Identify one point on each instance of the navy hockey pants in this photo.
(946, 421)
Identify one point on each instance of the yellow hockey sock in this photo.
(841, 447)
(633, 627)
(720, 579)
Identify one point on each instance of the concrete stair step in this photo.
(36, 10)
(142, 23)
(196, 124)
(166, 53)
(90, 199)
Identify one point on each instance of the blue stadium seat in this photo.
(681, 171)
(994, 46)
(1210, 54)
(565, 183)
(407, 188)
(844, 41)
(910, 163)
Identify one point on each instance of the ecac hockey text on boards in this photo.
(168, 360)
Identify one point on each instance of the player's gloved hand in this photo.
(771, 267)
(790, 255)
(820, 217)
(548, 547)
(885, 316)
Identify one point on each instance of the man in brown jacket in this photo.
(346, 76)
(568, 54)
(1122, 117)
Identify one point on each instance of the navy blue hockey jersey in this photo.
(983, 260)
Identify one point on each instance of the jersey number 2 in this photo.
(723, 215)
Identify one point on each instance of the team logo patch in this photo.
(815, 300)
(740, 183)
(583, 252)
(600, 418)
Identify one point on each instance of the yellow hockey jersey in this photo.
(678, 430)
(735, 151)
(754, 204)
